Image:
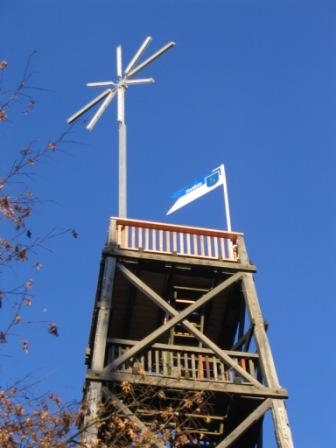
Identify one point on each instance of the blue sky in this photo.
(250, 84)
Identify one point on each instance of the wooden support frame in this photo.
(246, 423)
(177, 318)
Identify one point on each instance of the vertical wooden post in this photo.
(280, 419)
(94, 389)
(241, 248)
(112, 237)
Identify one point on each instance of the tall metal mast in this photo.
(124, 79)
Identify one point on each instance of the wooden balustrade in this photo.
(182, 362)
(171, 239)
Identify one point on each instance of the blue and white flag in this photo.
(198, 188)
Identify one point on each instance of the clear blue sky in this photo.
(250, 84)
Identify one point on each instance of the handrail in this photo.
(177, 227)
(172, 239)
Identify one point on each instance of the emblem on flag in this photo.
(212, 179)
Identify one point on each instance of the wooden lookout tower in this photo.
(177, 321)
(178, 353)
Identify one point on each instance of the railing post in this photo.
(112, 232)
(241, 249)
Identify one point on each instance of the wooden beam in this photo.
(280, 419)
(246, 423)
(94, 390)
(185, 384)
(248, 340)
(99, 345)
(129, 309)
(184, 348)
(180, 317)
(209, 307)
(241, 329)
(242, 252)
(175, 228)
(232, 266)
(167, 291)
(244, 338)
(92, 397)
(126, 412)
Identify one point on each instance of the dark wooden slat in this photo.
(244, 338)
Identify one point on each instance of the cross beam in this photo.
(246, 423)
(185, 384)
(177, 318)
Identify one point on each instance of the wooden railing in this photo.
(190, 363)
(172, 239)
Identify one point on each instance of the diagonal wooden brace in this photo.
(245, 339)
(126, 412)
(180, 317)
(246, 423)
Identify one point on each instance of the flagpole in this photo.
(227, 210)
(122, 139)
(122, 154)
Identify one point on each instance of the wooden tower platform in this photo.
(178, 344)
